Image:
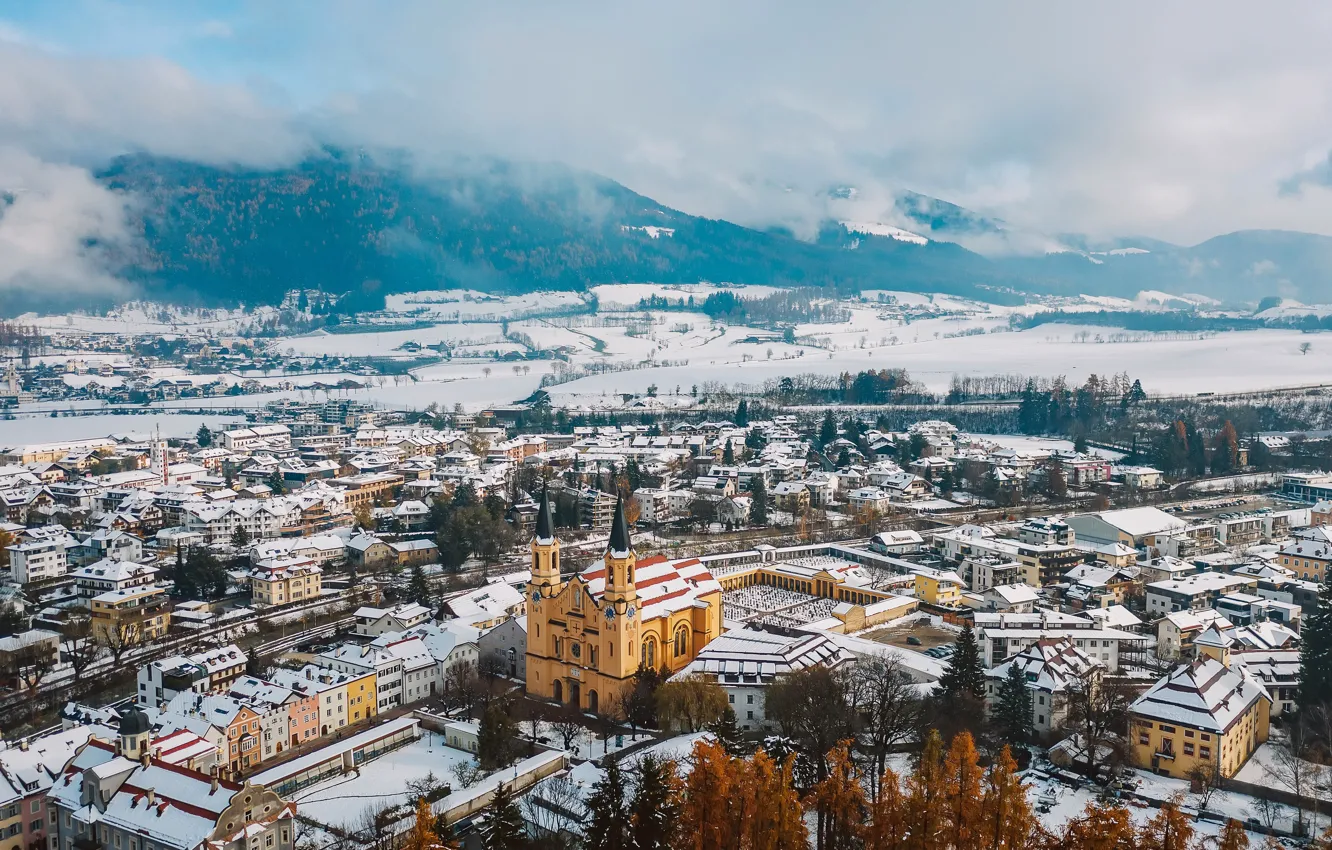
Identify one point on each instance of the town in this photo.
(338, 625)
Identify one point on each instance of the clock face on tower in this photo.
(536, 595)
(629, 612)
(610, 613)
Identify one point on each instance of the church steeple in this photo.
(545, 551)
(620, 561)
(619, 536)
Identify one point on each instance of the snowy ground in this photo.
(42, 428)
(343, 800)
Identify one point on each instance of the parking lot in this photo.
(926, 637)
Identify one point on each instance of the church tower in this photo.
(545, 553)
(620, 603)
(620, 563)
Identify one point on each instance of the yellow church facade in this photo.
(588, 636)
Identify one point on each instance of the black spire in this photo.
(619, 536)
(545, 529)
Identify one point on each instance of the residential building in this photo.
(1051, 667)
(372, 622)
(282, 581)
(1001, 636)
(343, 698)
(504, 647)
(1193, 592)
(122, 796)
(744, 662)
(1201, 713)
(39, 558)
(130, 617)
(1308, 555)
(110, 575)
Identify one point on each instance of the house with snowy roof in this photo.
(1051, 667)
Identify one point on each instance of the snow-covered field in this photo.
(42, 429)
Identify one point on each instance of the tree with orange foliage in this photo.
(840, 802)
(962, 793)
(886, 828)
(1169, 830)
(423, 835)
(705, 816)
(1006, 819)
(1100, 828)
(1233, 837)
(776, 819)
(924, 793)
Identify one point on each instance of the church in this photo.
(587, 636)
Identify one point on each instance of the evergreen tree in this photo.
(1316, 652)
(758, 502)
(502, 824)
(418, 587)
(728, 453)
(276, 483)
(828, 430)
(1225, 450)
(964, 676)
(1012, 712)
(654, 815)
(727, 732)
(495, 736)
(843, 458)
(240, 538)
(185, 585)
(742, 413)
(204, 436)
(607, 827)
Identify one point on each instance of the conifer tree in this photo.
(1170, 829)
(887, 823)
(424, 835)
(962, 793)
(1012, 710)
(924, 795)
(418, 587)
(840, 802)
(1006, 818)
(502, 825)
(758, 502)
(655, 812)
(1316, 652)
(777, 818)
(608, 828)
(1233, 836)
(827, 430)
(1100, 828)
(727, 732)
(705, 815)
(964, 676)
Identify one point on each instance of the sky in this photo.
(1176, 121)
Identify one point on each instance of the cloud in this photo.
(59, 228)
(1177, 121)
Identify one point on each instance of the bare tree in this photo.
(1291, 766)
(554, 807)
(462, 687)
(77, 645)
(1098, 712)
(568, 724)
(119, 638)
(1205, 781)
(889, 710)
(690, 703)
(30, 661)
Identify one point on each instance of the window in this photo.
(1188, 733)
(1143, 739)
(1188, 749)
(730, 698)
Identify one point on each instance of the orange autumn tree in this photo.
(961, 793)
(1006, 820)
(887, 823)
(705, 815)
(1100, 828)
(1233, 837)
(1169, 830)
(778, 821)
(840, 801)
(925, 797)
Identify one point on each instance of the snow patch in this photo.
(651, 230)
(874, 228)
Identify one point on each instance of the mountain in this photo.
(361, 228)
(347, 224)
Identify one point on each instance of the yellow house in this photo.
(130, 616)
(939, 588)
(587, 637)
(1201, 713)
(284, 580)
(342, 698)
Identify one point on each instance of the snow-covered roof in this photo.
(1050, 664)
(1204, 694)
